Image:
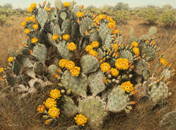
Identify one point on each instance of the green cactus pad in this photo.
(94, 109)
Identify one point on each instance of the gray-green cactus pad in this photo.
(69, 107)
(96, 83)
(40, 52)
(78, 85)
(117, 100)
(94, 109)
(159, 91)
(89, 64)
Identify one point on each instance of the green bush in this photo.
(122, 16)
(168, 18)
(150, 14)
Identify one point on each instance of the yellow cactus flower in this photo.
(111, 25)
(67, 4)
(127, 86)
(32, 7)
(122, 64)
(34, 40)
(48, 121)
(115, 31)
(66, 37)
(153, 42)
(71, 46)
(55, 36)
(55, 93)
(54, 112)
(27, 19)
(30, 10)
(136, 51)
(105, 67)
(55, 76)
(114, 72)
(88, 48)
(95, 44)
(134, 44)
(32, 19)
(115, 46)
(27, 31)
(80, 119)
(69, 65)
(50, 102)
(80, 14)
(1, 69)
(75, 71)
(11, 59)
(35, 26)
(93, 53)
(41, 109)
(62, 63)
(164, 62)
(23, 23)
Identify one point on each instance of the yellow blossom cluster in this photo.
(1, 69)
(90, 48)
(50, 102)
(54, 112)
(66, 4)
(114, 72)
(80, 119)
(122, 64)
(55, 93)
(111, 23)
(164, 62)
(79, 14)
(105, 17)
(32, 7)
(127, 86)
(34, 40)
(134, 44)
(50, 105)
(136, 51)
(105, 67)
(115, 46)
(55, 36)
(10, 59)
(70, 65)
(71, 46)
(66, 37)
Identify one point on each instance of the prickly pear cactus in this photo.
(84, 58)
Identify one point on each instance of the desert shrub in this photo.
(3, 19)
(121, 6)
(122, 16)
(168, 18)
(150, 14)
(84, 63)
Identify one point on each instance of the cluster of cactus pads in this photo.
(84, 58)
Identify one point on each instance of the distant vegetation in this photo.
(163, 16)
(7, 10)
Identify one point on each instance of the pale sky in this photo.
(98, 3)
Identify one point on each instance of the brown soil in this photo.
(20, 115)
